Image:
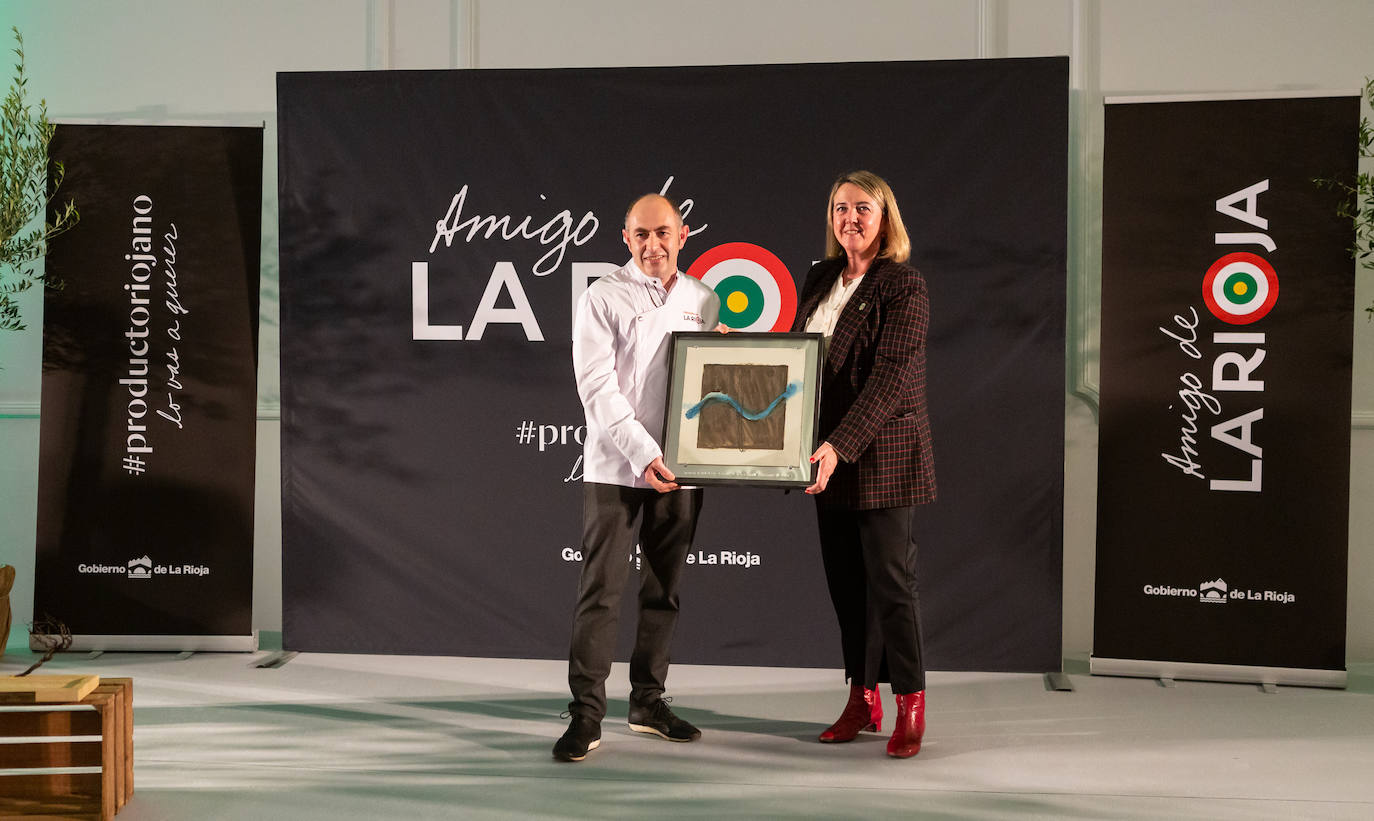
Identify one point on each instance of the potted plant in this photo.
(24, 230)
(25, 194)
(1358, 203)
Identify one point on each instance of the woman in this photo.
(875, 462)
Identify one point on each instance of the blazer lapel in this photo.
(825, 278)
(852, 317)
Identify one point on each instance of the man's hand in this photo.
(826, 459)
(659, 477)
(722, 328)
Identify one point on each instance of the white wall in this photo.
(203, 60)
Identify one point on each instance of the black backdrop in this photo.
(415, 520)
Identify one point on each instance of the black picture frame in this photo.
(718, 383)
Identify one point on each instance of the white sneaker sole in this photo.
(590, 747)
(644, 728)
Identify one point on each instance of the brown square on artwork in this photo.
(754, 387)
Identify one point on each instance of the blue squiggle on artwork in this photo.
(752, 416)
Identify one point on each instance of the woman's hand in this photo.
(825, 459)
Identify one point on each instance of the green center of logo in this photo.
(741, 301)
(1240, 288)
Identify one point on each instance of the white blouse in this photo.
(827, 313)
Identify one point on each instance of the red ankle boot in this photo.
(864, 711)
(911, 725)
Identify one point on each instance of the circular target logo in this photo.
(1240, 288)
(756, 290)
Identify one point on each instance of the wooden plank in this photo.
(121, 747)
(65, 808)
(122, 689)
(52, 754)
(80, 787)
(109, 700)
(59, 784)
(38, 723)
(109, 752)
(121, 796)
(128, 685)
(46, 689)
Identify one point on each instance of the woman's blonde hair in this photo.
(893, 243)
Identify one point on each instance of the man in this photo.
(622, 333)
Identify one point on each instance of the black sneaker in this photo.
(656, 718)
(583, 735)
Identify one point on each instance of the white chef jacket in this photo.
(622, 336)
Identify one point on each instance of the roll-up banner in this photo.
(1223, 471)
(437, 228)
(149, 397)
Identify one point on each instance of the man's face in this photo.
(654, 237)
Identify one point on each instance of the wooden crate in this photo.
(107, 717)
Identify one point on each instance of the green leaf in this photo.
(28, 183)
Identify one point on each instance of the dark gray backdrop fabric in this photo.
(1167, 535)
(430, 486)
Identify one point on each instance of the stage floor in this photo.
(342, 737)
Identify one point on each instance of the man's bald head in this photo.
(654, 198)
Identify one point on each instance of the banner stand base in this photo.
(164, 644)
(1168, 671)
(1058, 683)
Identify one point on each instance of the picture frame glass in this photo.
(741, 408)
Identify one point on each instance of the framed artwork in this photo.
(742, 408)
